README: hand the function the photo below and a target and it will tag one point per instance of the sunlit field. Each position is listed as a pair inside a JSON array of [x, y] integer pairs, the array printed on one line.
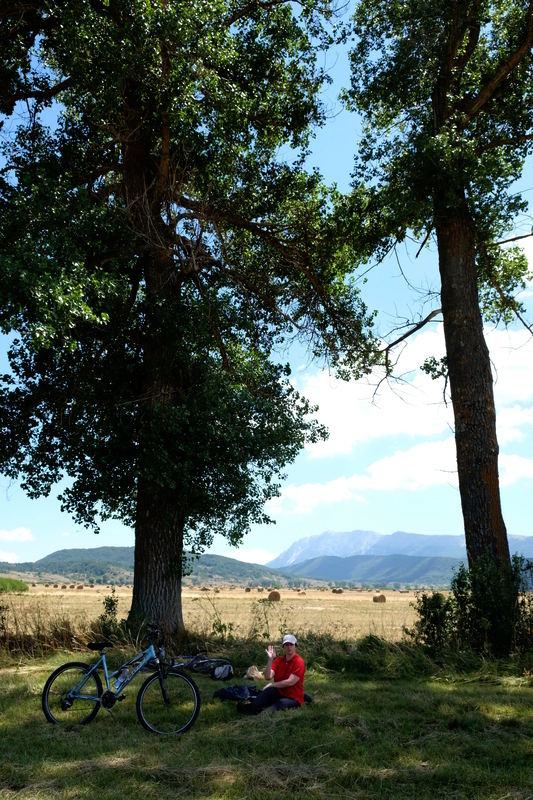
[[346, 615]]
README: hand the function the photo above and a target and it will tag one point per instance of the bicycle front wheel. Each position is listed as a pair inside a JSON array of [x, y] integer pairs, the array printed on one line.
[[71, 695], [169, 704]]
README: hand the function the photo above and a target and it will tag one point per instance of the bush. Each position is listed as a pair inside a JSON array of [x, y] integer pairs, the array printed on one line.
[[13, 585], [489, 611]]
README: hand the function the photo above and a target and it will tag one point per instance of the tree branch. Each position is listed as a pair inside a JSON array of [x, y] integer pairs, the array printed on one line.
[[503, 71], [250, 8], [386, 350]]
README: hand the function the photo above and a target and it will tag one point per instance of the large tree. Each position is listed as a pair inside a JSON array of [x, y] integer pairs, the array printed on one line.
[[446, 88], [154, 250]]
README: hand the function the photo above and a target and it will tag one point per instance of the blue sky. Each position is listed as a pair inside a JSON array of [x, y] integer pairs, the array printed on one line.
[[389, 463]]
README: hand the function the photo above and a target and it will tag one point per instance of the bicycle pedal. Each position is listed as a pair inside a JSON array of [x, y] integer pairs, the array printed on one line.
[[121, 697]]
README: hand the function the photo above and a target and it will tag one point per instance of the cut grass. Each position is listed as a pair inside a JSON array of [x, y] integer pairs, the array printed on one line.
[[464, 737]]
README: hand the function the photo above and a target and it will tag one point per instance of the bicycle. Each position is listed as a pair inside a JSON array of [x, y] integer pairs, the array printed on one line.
[[168, 701]]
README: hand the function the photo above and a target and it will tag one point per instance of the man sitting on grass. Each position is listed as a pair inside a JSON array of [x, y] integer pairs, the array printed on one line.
[[286, 674]]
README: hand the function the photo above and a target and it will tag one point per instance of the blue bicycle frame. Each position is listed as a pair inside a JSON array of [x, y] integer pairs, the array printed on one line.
[[133, 667]]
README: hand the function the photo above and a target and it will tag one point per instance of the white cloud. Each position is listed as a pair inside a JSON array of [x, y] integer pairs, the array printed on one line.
[[514, 424], [356, 412], [11, 558], [15, 535], [514, 468], [247, 554], [423, 466], [413, 409]]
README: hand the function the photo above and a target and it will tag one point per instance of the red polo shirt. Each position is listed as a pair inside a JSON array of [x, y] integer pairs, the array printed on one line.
[[283, 669]]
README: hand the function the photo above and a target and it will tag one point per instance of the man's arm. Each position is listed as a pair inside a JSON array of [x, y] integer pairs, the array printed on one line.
[[290, 681], [271, 653]]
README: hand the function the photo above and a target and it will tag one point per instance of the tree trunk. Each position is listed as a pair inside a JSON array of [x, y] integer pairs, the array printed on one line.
[[160, 513], [158, 563], [471, 387]]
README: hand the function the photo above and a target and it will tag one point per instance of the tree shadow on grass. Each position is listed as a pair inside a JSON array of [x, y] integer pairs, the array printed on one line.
[[416, 738]]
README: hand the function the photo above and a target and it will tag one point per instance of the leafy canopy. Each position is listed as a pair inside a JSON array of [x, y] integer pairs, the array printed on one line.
[[156, 249]]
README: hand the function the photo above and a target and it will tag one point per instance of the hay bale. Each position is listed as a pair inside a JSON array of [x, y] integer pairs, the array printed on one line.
[[379, 598], [274, 596], [248, 589], [80, 586]]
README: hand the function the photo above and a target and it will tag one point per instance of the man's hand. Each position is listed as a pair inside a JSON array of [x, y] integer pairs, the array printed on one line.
[[271, 651]]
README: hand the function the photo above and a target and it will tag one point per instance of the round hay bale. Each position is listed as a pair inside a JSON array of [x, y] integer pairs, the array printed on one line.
[[247, 589], [379, 598], [80, 586], [274, 596]]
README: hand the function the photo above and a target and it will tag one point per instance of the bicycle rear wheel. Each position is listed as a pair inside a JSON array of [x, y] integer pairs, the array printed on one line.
[[70, 698], [168, 705]]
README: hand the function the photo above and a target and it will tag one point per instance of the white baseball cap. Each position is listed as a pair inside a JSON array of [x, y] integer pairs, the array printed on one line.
[[289, 639]]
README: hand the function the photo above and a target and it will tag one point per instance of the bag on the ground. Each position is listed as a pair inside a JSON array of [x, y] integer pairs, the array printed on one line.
[[236, 692]]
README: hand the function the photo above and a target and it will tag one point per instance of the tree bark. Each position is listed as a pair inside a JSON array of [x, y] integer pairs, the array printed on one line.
[[471, 386], [158, 564], [160, 508]]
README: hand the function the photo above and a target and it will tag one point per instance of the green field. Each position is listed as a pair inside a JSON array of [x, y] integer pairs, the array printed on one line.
[[371, 733], [386, 722]]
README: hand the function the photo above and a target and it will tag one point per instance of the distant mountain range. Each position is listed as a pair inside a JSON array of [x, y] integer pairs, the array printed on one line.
[[363, 558], [370, 543]]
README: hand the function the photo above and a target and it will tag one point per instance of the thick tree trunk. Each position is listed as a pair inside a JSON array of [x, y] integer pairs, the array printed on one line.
[[158, 563], [471, 387], [160, 512]]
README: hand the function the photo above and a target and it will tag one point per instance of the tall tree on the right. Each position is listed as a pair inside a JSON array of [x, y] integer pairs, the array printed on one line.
[[446, 87]]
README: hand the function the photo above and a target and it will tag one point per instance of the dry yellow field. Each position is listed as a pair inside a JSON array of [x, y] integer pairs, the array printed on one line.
[[344, 616]]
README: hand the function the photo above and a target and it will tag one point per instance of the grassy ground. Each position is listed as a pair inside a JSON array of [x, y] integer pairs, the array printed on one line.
[[380, 735], [385, 721]]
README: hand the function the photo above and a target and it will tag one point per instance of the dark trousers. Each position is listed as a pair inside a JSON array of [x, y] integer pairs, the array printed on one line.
[[269, 699]]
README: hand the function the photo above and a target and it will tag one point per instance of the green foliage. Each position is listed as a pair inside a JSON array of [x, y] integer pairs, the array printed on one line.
[[489, 611], [13, 585], [445, 90], [108, 620], [155, 250]]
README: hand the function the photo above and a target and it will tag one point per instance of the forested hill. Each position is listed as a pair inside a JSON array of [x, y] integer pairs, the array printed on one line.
[[379, 570], [115, 565]]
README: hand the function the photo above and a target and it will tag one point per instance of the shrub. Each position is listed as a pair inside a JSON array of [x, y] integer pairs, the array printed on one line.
[[489, 611], [13, 585]]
